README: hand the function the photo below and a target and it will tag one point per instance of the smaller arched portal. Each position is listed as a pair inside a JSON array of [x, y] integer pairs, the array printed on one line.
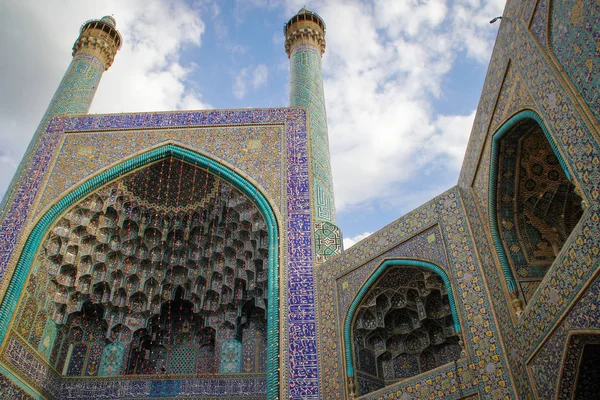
[[403, 322], [158, 265], [580, 369], [533, 205]]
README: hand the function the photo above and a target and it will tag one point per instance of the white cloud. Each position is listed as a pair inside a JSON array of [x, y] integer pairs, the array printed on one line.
[[381, 76], [349, 242], [451, 137], [261, 73], [239, 85], [255, 78], [147, 73]]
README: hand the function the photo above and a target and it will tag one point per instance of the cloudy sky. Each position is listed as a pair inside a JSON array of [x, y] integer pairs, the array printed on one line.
[[402, 80]]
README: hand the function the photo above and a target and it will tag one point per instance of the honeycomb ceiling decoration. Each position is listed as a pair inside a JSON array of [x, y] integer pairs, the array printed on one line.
[[547, 204], [404, 326], [168, 239]]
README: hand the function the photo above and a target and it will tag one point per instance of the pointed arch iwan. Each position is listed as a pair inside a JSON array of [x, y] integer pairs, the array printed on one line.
[[492, 190], [367, 286], [9, 303]]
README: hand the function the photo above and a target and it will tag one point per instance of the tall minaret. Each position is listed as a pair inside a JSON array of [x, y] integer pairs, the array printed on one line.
[[93, 53], [305, 45]]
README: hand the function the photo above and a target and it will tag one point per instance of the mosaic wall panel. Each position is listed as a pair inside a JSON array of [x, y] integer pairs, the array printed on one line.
[[253, 344], [539, 23], [528, 288], [495, 74], [19, 208], [231, 356], [249, 387], [528, 9], [30, 368], [94, 359], [48, 339], [545, 366], [299, 375], [182, 360], [575, 27], [450, 241], [11, 391], [78, 354], [112, 359], [514, 96], [481, 184], [256, 150], [328, 241]]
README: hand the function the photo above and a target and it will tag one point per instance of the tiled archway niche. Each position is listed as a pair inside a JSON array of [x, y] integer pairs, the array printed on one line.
[[535, 205], [403, 326], [164, 271], [580, 370]]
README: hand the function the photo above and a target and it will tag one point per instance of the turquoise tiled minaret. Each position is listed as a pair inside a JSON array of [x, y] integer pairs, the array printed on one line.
[[305, 45], [93, 53]]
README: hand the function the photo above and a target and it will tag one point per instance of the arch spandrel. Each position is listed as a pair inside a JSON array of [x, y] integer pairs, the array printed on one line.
[[257, 150]]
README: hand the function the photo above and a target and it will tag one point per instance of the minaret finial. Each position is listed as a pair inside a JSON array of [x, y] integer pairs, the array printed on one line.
[[305, 28], [99, 38]]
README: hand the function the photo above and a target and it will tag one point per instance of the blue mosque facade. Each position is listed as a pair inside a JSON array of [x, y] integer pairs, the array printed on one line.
[[195, 254]]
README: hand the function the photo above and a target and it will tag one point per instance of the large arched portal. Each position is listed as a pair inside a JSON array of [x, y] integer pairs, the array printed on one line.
[[168, 269], [533, 205]]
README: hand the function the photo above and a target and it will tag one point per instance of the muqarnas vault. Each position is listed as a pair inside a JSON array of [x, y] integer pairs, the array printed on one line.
[[196, 254]]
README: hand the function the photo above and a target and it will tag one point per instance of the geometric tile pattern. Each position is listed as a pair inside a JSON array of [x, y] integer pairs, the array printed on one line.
[[539, 23], [550, 367], [328, 241], [112, 359], [574, 41], [231, 356], [11, 391]]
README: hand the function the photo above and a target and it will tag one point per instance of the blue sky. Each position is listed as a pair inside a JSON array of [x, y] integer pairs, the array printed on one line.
[[402, 80]]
